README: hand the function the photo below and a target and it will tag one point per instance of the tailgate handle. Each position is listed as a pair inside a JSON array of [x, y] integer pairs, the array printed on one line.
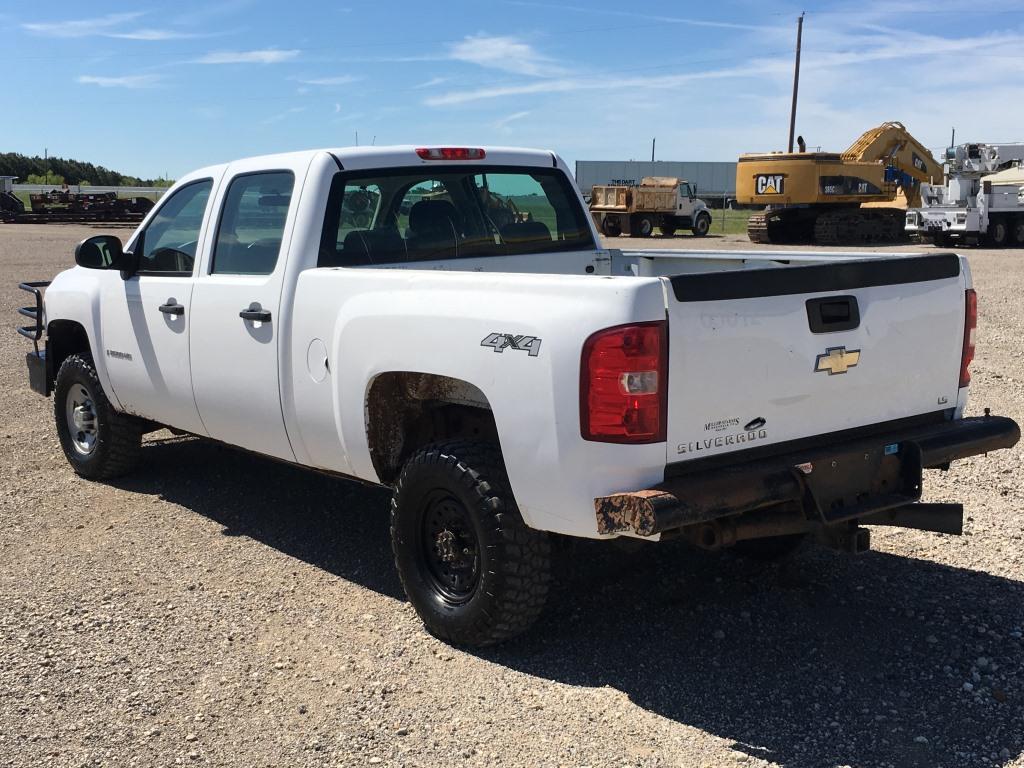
[[833, 313]]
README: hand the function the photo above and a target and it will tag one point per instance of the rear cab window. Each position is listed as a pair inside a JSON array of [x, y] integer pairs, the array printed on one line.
[[432, 213]]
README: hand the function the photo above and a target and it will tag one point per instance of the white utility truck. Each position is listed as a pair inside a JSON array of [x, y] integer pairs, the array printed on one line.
[[982, 201], [665, 202], [469, 343]]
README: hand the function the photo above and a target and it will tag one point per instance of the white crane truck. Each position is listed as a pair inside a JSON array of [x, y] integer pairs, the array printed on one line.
[[471, 344], [981, 202]]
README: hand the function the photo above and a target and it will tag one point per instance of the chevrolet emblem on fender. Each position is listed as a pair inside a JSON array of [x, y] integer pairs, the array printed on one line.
[[837, 360]]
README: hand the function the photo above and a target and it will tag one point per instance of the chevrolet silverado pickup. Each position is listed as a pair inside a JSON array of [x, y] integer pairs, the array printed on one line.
[[445, 321]]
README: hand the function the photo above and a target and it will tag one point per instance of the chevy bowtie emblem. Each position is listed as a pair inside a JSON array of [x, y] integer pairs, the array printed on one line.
[[837, 360]]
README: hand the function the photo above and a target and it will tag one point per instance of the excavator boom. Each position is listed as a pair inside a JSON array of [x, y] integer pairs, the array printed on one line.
[[892, 145]]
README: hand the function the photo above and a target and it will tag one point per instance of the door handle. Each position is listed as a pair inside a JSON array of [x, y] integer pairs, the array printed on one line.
[[259, 315], [172, 308]]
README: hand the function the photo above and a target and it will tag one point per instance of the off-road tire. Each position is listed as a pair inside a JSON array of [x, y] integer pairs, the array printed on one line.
[[514, 561], [118, 439], [770, 549], [701, 225]]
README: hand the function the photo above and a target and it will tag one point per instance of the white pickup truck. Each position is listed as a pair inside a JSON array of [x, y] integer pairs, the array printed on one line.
[[445, 321]]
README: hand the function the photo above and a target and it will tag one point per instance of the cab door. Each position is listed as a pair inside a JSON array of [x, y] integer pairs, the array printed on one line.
[[684, 207], [234, 343], [145, 319]]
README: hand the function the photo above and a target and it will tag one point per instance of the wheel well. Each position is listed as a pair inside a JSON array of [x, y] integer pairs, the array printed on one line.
[[405, 411], [65, 338]]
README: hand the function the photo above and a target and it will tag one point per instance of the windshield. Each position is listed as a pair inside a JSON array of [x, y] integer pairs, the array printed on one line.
[[425, 214]]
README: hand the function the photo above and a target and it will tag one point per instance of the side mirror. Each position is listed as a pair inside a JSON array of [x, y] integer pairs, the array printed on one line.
[[106, 252], [99, 252]]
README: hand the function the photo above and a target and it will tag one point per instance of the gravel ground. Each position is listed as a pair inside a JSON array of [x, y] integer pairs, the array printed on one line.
[[219, 609]]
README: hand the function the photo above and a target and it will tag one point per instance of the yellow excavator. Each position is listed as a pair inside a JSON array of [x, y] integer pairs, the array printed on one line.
[[858, 197]]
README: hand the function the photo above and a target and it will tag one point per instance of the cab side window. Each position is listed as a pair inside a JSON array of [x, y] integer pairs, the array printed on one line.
[[252, 223], [168, 244]]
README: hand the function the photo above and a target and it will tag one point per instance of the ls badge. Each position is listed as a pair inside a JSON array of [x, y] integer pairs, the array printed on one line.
[[837, 360]]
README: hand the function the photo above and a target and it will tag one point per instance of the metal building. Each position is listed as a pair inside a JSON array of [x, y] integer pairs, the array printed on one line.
[[713, 179]]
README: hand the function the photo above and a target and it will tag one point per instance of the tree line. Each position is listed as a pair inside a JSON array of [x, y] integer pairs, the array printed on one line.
[[58, 170]]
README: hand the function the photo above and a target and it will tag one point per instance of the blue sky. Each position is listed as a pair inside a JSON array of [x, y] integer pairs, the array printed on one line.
[[154, 89]]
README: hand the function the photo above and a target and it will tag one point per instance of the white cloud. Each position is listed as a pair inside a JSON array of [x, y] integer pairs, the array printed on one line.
[[505, 53], [154, 34], [643, 16], [282, 115], [432, 82], [503, 122], [81, 27], [337, 108], [264, 56], [338, 80], [124, 81], [608, 83]]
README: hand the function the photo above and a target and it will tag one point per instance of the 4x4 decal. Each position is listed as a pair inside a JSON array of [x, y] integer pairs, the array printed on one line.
[[499, 342]]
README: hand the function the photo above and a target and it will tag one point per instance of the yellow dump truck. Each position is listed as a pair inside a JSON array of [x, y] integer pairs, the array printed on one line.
[[664, 202]]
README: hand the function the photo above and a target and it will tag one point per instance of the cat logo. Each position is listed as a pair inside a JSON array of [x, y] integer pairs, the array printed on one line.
[[769, 184]]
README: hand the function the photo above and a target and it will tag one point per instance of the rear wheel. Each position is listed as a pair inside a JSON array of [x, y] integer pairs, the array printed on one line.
[[643, 226], [998, 232], [99, 442], [472, 569], [701, 225], [610, 226], [1018, 232]]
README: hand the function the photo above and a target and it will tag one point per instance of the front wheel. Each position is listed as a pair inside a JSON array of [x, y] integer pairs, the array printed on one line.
[[99, 442], [472, 569], [701, 225]]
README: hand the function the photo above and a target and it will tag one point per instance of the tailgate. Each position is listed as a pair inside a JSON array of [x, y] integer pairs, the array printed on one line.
[[764, 356]]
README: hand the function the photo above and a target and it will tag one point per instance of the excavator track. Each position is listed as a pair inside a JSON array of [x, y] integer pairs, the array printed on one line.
[[836, 226], [782, 226], [860, 226]]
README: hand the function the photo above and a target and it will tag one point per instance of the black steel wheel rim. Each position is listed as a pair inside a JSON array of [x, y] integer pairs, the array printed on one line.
[[448, 551]]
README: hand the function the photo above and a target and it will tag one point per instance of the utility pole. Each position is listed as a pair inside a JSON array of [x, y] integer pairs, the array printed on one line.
[[796, 80], [652, 148]]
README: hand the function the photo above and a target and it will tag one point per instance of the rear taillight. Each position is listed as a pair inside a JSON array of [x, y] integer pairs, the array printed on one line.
[[451, 153], [624, 384], [970, 332]]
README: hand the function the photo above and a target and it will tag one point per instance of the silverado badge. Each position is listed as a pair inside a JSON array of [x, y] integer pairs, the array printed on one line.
[[837, 360]]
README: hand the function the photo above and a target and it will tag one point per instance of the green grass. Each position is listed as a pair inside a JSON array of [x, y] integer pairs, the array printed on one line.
[[729, 222]]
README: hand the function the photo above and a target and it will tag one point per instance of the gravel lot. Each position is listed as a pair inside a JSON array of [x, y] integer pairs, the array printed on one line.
[[219, 609]]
